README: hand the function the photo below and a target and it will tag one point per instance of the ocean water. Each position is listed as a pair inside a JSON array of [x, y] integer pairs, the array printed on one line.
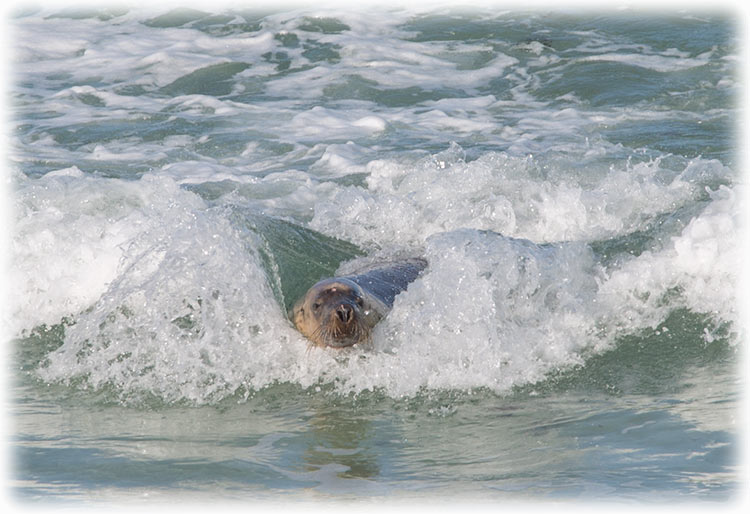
[[180, 176]]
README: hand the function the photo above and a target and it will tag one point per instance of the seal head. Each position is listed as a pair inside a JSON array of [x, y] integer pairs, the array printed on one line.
[[336, 312]]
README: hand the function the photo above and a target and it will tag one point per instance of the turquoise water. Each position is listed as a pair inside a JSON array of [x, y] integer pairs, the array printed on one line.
[[180, 177]]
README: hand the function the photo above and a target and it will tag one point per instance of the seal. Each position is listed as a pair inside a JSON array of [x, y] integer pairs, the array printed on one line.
[[341, 311]]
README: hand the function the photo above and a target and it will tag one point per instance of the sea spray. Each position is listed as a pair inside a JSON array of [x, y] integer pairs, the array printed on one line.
[[182, 318], [523, 197]]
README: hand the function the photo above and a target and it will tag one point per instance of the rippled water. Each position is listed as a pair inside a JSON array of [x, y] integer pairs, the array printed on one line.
[[180, 177]]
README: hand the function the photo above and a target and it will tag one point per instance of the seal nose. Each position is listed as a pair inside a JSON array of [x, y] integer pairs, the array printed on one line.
[[344, 312]]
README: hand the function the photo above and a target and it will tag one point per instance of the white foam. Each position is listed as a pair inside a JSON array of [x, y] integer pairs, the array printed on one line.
[[103, 153], [660, 63], [321, 122], [698, 270], [199, 172], [177, 305], [505, 194], [341, 160], [161, 55], [68, 237]]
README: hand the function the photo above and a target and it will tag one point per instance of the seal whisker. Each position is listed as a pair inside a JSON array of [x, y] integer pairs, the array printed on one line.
[[321, 336]]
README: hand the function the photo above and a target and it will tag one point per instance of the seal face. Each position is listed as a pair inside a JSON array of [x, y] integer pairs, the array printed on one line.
[[340, 312], [335, 312]]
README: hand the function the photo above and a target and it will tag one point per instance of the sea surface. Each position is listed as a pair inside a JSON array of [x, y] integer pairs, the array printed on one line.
[[180, 176]]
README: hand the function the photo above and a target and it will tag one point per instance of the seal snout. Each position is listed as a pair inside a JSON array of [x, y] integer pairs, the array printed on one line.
[[345, 313]]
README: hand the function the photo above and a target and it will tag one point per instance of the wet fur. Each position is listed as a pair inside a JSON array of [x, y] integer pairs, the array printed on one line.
[[321, 324]]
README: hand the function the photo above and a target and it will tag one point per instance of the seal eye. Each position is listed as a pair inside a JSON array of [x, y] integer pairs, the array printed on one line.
[[360, 302], [316, 306]]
